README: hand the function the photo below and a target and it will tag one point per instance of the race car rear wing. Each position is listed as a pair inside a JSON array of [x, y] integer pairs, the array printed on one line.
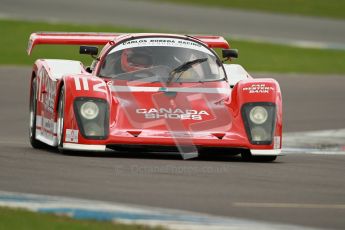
[[213, 41], [66, 38]]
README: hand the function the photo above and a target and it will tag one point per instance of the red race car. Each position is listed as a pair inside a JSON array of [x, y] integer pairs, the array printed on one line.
[[152, 92]]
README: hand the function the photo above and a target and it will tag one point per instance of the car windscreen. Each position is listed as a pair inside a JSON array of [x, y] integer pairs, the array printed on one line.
[[162, 60]]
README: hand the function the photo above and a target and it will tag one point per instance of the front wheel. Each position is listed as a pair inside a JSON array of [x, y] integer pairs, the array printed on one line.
[[60, 118]]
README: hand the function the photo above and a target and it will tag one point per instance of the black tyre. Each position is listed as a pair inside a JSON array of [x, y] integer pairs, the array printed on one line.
[[33, 112], [60, 119]]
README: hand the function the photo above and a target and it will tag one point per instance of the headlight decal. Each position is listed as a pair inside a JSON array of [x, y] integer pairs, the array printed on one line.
[[259, 121], [92, 116]]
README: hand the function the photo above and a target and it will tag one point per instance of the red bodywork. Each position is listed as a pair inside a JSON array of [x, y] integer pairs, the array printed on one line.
[[202, 115]]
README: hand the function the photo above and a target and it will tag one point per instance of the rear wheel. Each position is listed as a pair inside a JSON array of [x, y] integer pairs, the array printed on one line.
[[247, 156], [33, 116]]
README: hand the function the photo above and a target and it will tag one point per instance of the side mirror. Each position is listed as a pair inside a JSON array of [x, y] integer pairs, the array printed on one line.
[[230, 53], [91, 50]]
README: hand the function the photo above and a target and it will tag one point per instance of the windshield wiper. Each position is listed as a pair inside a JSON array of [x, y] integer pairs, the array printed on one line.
[[185, 66]]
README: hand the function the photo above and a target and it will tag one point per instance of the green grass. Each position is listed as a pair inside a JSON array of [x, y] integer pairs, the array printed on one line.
[[261, 57], [255, 57], [21, 219], [15, 36], [320, 8]]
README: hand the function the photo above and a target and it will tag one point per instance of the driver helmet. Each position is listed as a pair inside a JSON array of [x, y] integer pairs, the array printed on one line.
[[135, 59]]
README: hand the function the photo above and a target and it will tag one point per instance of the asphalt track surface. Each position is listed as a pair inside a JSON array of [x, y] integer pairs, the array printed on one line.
[[186, 19], [300, 189]]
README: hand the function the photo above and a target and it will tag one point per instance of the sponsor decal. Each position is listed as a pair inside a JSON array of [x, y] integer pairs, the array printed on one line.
[[71, 135], [49, 126], [169, 113], [170, 42], [258, 88], [47, 91], [162, 42]]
